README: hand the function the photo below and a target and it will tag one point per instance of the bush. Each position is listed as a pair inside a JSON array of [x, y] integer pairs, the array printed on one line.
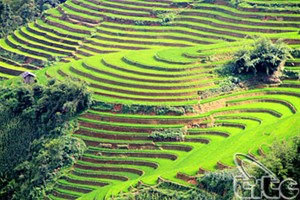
[[263, 56], [163, 110], [103, 106], [291, 74], [220, 183], [296, 53], [165, 16], [144, 109], [171, 134], [225, 86]]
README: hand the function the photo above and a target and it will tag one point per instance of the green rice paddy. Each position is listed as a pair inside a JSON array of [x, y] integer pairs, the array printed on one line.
[[129, 56]]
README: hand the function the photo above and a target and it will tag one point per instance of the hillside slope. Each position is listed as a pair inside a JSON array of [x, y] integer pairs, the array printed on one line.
[[121, 153], [80, 28], [148, 62]]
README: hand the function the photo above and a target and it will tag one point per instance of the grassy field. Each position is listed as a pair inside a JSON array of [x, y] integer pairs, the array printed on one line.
[[131, 54]]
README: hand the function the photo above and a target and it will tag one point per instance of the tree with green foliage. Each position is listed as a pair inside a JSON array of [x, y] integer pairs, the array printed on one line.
[[35, 142], [263, 56], [14, 14], [284, 161], [219, 183]]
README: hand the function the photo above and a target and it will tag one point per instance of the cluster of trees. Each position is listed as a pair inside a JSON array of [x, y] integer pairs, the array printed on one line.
[[284, 161], [263, 56], [218, 183], [35, 141], [14, 14]]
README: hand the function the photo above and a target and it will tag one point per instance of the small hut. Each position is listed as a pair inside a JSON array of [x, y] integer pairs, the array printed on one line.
[[28, 77]]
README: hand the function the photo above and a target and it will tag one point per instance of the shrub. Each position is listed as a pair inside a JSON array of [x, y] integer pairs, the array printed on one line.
[[291, 74], [220, 183], [296, 53], [145, 109], [171, 134], [225, 86], [177, 110], [165, 16], [263, 56], [103, 106]]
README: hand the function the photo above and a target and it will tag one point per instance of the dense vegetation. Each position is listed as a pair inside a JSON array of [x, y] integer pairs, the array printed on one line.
[[261, 57], [36, 122], [14, 14], [284, 161], [218, 183]]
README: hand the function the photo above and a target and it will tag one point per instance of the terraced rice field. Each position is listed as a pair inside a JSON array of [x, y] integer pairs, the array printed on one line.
[[80, 28], [128, 55]]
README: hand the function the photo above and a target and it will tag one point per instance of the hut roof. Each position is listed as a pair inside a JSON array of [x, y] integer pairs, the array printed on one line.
[[26, 74]]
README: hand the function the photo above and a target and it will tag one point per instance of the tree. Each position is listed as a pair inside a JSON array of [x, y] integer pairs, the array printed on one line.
[[263, 56], [35, 141], [220, 183], [284, 161], [14, 14]]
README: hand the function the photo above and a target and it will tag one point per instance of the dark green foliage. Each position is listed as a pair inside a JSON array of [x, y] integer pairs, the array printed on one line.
[[36, 176], [163, 110], [48, 106], [12, 148], [296, 53], [166, 16], [103, 106], [171, 134], [144, 109], [36, 122], [14, 14], [263, 57], [133, 109], [220, 183], [284, 161], [291, 74]]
